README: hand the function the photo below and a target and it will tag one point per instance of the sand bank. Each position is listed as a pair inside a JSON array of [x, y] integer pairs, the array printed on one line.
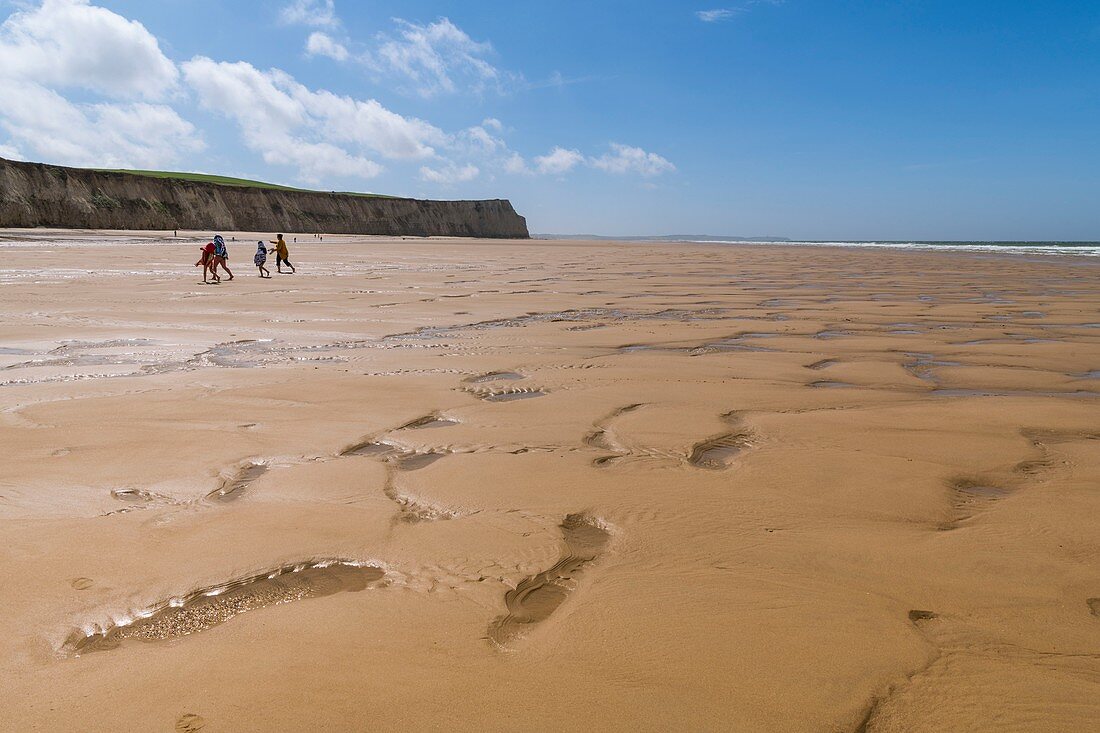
[[625, 487]]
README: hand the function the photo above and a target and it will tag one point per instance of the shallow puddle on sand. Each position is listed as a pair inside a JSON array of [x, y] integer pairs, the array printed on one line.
[[1010, 393], [429, 421], [371, 448], [495, 376], [416, 461], [208, 607], [536, 597], [234, 488], [969, 498]]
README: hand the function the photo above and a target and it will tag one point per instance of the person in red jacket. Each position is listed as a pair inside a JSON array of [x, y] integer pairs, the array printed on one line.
[[207, 262]]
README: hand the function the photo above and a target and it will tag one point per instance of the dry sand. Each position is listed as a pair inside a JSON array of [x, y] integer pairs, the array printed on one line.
[[500, 485]]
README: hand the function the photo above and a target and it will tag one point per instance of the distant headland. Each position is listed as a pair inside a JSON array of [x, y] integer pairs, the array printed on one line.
[[41, 195]]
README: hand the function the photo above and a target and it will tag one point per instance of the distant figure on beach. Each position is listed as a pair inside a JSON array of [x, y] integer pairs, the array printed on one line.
[[282, 254], [261, 259], [221, 256], [207, 262]]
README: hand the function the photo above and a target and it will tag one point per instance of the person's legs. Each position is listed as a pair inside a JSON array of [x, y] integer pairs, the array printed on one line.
[[225, 266], [287, 261]]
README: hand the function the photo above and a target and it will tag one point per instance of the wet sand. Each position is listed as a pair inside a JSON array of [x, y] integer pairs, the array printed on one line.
[[618, 486]]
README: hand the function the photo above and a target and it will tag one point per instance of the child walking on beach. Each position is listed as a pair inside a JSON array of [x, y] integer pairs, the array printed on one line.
[[282, 254], [261, 259], [207, 262]]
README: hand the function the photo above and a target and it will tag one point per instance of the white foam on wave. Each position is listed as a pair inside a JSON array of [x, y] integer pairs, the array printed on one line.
[[1084, 249]]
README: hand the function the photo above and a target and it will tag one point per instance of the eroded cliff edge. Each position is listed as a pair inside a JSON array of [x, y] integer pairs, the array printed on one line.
[[39, 195]]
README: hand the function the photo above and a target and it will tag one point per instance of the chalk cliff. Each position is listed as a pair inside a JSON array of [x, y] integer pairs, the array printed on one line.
[[39, 195]]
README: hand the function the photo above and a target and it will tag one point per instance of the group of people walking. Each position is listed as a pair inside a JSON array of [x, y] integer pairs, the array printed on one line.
[[215, 256]]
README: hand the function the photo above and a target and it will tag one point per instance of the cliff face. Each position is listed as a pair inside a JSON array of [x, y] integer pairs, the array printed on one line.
[[38, 195]]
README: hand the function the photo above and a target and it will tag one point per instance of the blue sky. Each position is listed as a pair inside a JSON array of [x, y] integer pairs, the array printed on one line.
[[820, 119]]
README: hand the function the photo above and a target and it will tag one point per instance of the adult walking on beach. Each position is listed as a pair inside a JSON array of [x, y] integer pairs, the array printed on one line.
[[282, 254], [221, 256]]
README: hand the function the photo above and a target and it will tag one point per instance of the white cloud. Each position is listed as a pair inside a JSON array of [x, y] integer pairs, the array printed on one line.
[[493, 124], [289, 124], [63, 44], [322, 44], [435, 59], [11, 153], [478, 139], [135, 135], [722, 14], [426, 60], [716, 15], [627, 159], [317, 160], [449, 173], [515, 163], [558, 161], [622, 159], [69, 43], [320, 13]]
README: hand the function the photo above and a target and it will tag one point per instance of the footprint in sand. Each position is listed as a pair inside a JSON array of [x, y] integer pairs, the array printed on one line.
[[81, 583], [189, 723], [1094, 606], [536, 597]]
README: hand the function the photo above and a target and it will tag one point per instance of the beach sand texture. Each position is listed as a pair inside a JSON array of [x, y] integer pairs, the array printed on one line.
[[547, 485]]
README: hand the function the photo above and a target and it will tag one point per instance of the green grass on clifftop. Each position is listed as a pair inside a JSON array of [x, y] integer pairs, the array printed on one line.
[[229, 181]]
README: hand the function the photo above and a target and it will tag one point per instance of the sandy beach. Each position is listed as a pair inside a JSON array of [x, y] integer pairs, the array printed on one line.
[[485, 485]]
